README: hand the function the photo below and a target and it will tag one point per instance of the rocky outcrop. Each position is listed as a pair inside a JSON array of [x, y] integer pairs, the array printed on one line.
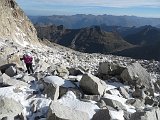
[[15, 25]]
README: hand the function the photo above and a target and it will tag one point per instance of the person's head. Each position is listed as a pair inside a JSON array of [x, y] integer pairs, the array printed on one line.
[[27, 54]]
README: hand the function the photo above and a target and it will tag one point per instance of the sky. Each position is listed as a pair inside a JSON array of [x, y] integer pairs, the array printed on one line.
[[142, 8]]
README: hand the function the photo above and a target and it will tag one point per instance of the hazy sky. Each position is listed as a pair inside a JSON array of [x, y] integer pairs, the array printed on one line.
[[144, 8]]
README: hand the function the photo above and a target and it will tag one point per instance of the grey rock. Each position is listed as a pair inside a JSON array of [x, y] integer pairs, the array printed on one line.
[[58, 111], [149, 101], [136, 75], [53, 84], [114, 103], [92, 97], [157, 86], [158, 82], [64, 90], [101, 104], [3, 61], [110, 68], [138, 93], [62, 71], [28, 78], [127, 115], [8, 81], [51, 90], [9, 108], [11, 15], [39, 75], [102, 114], [42, 66], [150, 114], [123, 92], [52, 70], [92, 85], [4, 67], [137, 103], [75, 71]]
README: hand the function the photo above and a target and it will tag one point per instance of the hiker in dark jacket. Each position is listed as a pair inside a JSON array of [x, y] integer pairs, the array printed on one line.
[[28, 61]]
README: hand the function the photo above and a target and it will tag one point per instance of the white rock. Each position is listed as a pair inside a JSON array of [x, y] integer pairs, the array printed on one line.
[[68, 107]]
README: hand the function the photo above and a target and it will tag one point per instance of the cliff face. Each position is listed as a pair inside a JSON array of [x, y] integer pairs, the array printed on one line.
[[14, 24]]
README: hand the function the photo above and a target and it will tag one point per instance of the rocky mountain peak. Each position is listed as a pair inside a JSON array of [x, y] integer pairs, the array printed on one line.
[[15, 25], [96, 29]]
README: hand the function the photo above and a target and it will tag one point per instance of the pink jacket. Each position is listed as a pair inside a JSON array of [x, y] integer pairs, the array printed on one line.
[[27, 59]]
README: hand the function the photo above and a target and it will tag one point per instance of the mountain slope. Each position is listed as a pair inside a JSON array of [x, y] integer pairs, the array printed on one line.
[[90, 39], [149, 52], [15, 25], [145, 35]]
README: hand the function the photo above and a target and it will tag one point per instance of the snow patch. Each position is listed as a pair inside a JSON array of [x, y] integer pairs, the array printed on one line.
[[69, 100], [116, 115], [58, 81]]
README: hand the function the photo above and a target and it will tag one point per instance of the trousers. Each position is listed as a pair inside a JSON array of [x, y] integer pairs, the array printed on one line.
[[29, 68]]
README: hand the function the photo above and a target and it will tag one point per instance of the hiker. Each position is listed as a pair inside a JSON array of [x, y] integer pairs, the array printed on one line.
[[28, 61]]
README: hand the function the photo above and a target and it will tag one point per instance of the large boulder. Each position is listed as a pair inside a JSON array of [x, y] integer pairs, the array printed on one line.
[[8, 81], [146, 114], [62, 112], [4, 67], [70, 108], [52, 86], [136, 75], [11, 71], [9, 108], [92, 85], [102, 114], [110, 68], [75, 71]]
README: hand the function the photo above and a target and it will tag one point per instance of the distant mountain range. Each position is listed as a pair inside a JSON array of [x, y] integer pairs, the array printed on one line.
[[81, 20], [90, 39], [136, 42]]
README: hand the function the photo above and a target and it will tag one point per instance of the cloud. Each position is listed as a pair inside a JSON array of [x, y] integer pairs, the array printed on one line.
[[106, 3]]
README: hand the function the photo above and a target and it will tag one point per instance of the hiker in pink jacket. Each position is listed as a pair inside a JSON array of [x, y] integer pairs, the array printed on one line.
[[28, 61]]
